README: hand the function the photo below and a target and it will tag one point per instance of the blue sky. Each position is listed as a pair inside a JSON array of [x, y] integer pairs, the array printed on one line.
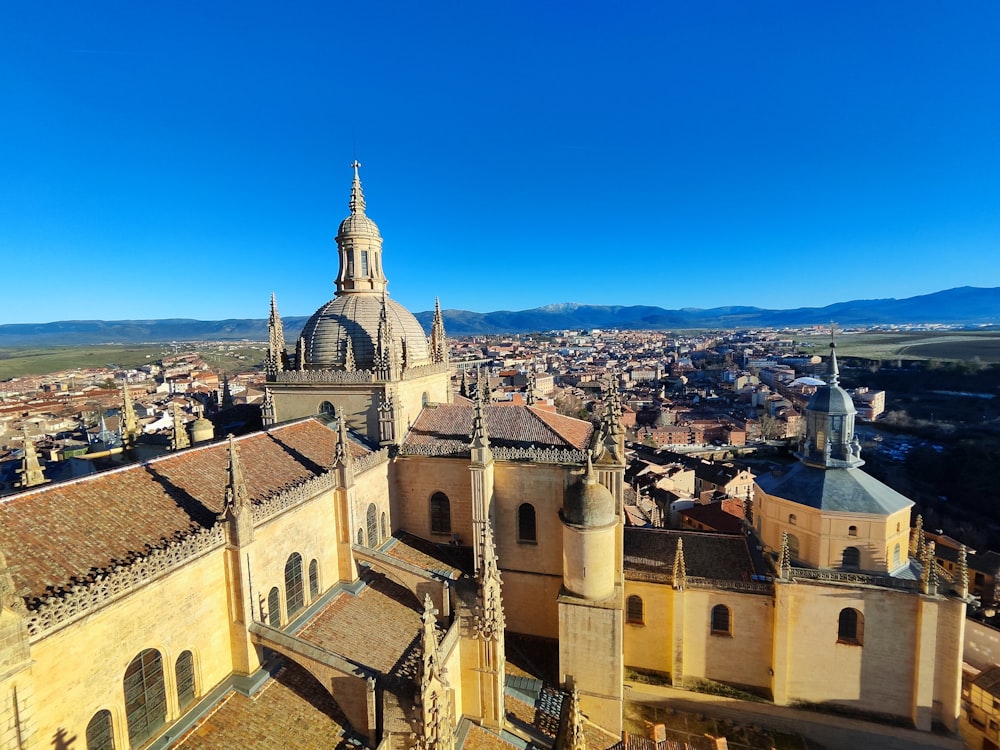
[[187, 159]]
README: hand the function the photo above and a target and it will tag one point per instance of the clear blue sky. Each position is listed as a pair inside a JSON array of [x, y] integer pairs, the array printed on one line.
[[187, 159]]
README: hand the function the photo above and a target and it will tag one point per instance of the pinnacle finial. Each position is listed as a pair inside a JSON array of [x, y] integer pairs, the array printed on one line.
[[680, 566], [357, 202]]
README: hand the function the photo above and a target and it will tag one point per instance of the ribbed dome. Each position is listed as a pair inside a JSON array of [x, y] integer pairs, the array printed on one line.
[[358, 224], [356, 316], [588, 502]]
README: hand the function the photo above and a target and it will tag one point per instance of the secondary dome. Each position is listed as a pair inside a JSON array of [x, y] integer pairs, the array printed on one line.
[[356, 317], [588, 502]]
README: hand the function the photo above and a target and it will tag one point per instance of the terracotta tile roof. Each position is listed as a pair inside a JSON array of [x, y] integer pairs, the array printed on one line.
[[379, 627], [292, 705], [59, 532], [449, 426], [424, 554], [717, 556], [481, 739]]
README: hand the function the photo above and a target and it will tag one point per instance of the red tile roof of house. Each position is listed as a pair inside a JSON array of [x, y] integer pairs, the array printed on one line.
[[449, 426], [60, 532]]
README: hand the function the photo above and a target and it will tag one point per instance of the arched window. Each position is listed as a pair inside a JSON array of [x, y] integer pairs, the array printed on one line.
[[722, 621], [852, 557], [184, 671], [526, 531], [440, 513], [294, 595], [793, 546], [145, 696], [384, 526], [423, 398], [852, 531], [274, 608], [99, 734], [371, 517], [327, 408], [361, 537], [851, 627], [895, 557], [791, 519], [634, 611], [313, 579]]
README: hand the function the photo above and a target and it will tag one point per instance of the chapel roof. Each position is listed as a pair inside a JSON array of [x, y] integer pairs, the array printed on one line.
[[56, 533], [839, 490], [649, 553], [447, 428]]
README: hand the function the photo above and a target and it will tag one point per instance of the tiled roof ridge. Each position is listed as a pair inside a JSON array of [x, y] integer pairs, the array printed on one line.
[[147, 462]]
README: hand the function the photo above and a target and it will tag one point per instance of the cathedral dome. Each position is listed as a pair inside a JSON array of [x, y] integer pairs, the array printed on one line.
[[831, 399], [356, 317], [358, 224], [588, 502]]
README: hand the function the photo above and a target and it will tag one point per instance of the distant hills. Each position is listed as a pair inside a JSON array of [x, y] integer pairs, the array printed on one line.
[[961, 306]]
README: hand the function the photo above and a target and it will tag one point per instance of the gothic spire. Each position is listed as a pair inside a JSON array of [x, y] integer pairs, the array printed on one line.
[[359, 246], [490, 620], [962, 575], [785, 558], [267, 414], [178, 435], [574, 739], [237, 496], [529, 396], [480, 436], [274, 361], [680, 568], [928, 575], [385, 354], [300, 353], [31, 471], [439, 344], [342, 457], [436, 730], [128, 424]]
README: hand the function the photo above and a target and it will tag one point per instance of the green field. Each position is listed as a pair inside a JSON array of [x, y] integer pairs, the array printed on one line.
[[941, 345], [18, 362]]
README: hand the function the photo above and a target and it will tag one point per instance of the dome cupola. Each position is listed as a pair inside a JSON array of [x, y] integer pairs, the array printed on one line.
[[830, 441]]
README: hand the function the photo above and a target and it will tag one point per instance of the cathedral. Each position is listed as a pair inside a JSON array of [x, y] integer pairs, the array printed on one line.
[[350, 575]]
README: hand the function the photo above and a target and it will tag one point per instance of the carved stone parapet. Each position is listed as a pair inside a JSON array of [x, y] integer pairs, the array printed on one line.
[[57, 610], [338, 377], [541, 455], [291, 496], [373, 459]]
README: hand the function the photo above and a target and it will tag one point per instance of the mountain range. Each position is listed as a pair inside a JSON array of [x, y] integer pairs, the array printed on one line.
[[966, 306]]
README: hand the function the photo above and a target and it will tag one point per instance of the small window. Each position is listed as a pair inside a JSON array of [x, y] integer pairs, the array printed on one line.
[[327, 408], [145, 697], [526, 531], [294, 593], [852, 531], [851, 627], [184, 672], [721, 620], [274, 608], [385, 526], [851, 558], [896, 556], [634, 611], [791, 519], [99, 733], [440, 513], [897, 527], [361, 537], [313, 580], [371, 520]]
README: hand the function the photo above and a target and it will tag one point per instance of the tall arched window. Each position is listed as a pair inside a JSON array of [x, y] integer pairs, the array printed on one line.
[[361, 537], [145, 696], [99, 733], [722, 621], [526, 531], [793, 546], [371, 517], [313, 579], [440, 513], [294, 595], [274, 608], [184, 672], [852, 557], [895, 556], [634, 610], [851, 627], [384, 526]]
